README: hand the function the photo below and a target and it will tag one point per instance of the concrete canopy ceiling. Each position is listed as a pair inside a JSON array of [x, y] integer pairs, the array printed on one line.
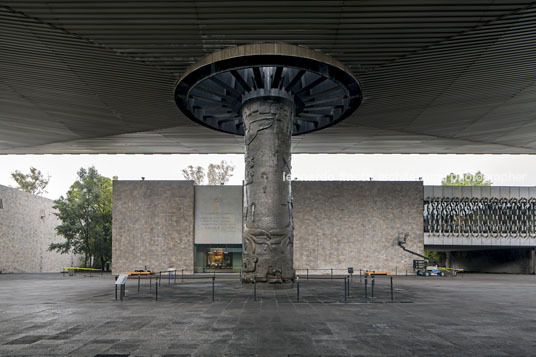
[[451, 76]]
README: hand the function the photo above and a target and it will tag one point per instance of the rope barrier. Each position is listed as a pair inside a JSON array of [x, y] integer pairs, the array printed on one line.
[[347, 285]]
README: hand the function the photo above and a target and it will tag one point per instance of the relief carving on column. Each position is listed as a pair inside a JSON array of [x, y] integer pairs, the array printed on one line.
[[268, 226]]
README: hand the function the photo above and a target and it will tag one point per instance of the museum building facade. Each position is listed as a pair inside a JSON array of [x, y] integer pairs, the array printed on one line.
[[161, 225]]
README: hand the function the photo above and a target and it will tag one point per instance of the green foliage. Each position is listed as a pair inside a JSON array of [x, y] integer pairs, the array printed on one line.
[[86, 216], [467, 179], [34, 182], [440, 257]]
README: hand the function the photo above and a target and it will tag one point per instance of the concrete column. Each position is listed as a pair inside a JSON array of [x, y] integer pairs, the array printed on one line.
[[268, 228]]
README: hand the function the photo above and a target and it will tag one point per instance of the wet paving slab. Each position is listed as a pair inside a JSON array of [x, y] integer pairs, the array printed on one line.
[[51, 315]]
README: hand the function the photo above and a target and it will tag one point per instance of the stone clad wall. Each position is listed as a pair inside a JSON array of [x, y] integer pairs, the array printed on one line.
[[153, 225], [338, 224], [27, 227]]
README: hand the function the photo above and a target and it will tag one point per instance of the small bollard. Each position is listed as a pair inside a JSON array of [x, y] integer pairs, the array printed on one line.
[[213, 280], [156, 290], [372, 288], [255, 288], [307, 273], [298, 288], [392, 298], [366, 288], [139, 278], [331, 274]]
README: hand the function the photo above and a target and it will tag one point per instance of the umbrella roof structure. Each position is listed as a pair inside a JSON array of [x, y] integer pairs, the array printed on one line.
[[455, 76]]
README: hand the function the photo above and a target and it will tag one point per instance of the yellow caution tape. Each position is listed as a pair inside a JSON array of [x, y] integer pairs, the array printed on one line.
[[77, 268], [450, 269]]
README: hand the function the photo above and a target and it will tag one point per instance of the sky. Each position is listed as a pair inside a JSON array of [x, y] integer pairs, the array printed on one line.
[[502, 170]]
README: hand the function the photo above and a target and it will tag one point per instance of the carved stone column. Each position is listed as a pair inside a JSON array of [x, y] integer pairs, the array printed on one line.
[[268, 228], [267, 92]]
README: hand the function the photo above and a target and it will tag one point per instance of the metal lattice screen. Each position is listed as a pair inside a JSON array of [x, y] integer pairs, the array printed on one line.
[[483, 217]]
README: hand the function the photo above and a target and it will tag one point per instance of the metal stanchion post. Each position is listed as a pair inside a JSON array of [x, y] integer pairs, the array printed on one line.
[[392, 289], [255, 288], [160, 279], [345, 288], [175, 277], [307, 273], [182, 275], [298, 288], [116, 292], [139, 279], [331, 274], [156, 289], [366, 283], [372, 288], [213, 280], [360, 277], [350, 278], [169, 277], [150, 282]]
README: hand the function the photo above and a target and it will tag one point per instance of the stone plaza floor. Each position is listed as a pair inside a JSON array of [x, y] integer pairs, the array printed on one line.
[[479, 315]]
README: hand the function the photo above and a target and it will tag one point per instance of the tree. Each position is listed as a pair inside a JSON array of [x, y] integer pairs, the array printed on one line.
[[467, 179], [86, 218], [34, 182], [440, 257], [219, 174], [196, 174]]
